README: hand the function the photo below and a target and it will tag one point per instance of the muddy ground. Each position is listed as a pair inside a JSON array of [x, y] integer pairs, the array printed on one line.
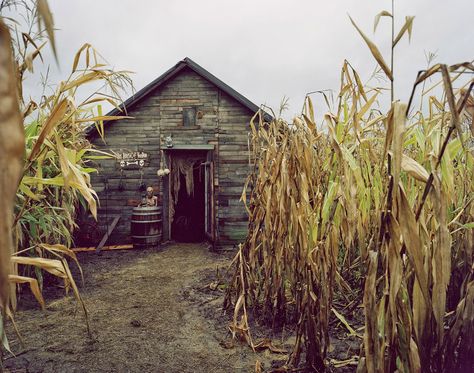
[[149, 311]]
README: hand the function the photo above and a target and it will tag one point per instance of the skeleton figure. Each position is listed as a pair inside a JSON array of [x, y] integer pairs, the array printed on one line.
[[149, 200], [169, 141]]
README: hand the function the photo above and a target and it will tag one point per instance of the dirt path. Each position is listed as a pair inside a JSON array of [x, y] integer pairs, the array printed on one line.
[[147, 313]]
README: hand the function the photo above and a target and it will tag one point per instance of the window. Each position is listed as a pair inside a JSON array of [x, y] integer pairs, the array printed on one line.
[[189, 117]]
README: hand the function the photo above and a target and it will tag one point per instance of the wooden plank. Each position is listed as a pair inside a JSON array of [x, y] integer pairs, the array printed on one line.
[[108, 233], [192, 147], [105, 248]]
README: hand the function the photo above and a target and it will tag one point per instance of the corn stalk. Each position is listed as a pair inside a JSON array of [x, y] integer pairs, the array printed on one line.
[[11, 159]]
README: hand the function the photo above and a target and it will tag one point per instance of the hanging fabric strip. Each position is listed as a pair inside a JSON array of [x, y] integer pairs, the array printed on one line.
[[182, 166]]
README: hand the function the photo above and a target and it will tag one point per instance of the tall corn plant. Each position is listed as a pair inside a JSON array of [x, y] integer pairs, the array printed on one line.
[[11, 154], [405, 323], [54, 171], [425, 243], [311, 194]]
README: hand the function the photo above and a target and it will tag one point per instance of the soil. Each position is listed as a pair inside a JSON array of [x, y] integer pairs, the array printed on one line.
[[149, 311]]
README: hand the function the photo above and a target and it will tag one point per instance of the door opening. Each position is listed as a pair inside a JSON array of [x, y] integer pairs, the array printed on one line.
[[188, 195], [189, 210]]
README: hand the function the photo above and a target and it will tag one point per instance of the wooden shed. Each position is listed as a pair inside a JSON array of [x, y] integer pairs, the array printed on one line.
[[191, 123]]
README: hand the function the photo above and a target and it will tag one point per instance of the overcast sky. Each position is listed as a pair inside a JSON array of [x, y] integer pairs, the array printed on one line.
[[264, 49]]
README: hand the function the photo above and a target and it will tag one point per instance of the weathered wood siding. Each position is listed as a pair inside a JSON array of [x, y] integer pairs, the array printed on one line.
[[233, 169], [222, 122]]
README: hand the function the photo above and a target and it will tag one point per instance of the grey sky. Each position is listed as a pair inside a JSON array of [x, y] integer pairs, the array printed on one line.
[[263, 49]]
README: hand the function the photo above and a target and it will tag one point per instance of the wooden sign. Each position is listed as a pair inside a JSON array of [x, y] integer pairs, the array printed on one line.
[[132, 159]]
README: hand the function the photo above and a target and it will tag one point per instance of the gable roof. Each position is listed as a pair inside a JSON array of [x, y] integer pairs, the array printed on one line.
[[171, 73]]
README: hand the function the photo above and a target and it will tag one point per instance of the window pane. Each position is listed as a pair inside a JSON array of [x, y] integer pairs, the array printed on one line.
[[189, 117]]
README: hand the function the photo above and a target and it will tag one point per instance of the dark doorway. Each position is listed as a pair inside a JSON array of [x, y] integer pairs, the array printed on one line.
[[189, 211]]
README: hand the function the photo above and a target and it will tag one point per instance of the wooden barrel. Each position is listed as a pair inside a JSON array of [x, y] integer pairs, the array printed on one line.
[[146, 227]]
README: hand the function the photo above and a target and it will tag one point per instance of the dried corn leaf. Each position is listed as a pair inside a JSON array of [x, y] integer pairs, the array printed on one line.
[[371, 336], [78, 56], [63, 161], [267, 343], [46, 17], [414, 169], [342, 319], [407, 27], [56, 116], [448, 88], [375, 51], [34, 286], [383, 13], [398, 117], [53, 266], [61, 249], [441, 258], [354, 360], [412, 241]]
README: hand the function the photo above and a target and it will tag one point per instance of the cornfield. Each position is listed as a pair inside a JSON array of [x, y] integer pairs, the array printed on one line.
[[387, 196]]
